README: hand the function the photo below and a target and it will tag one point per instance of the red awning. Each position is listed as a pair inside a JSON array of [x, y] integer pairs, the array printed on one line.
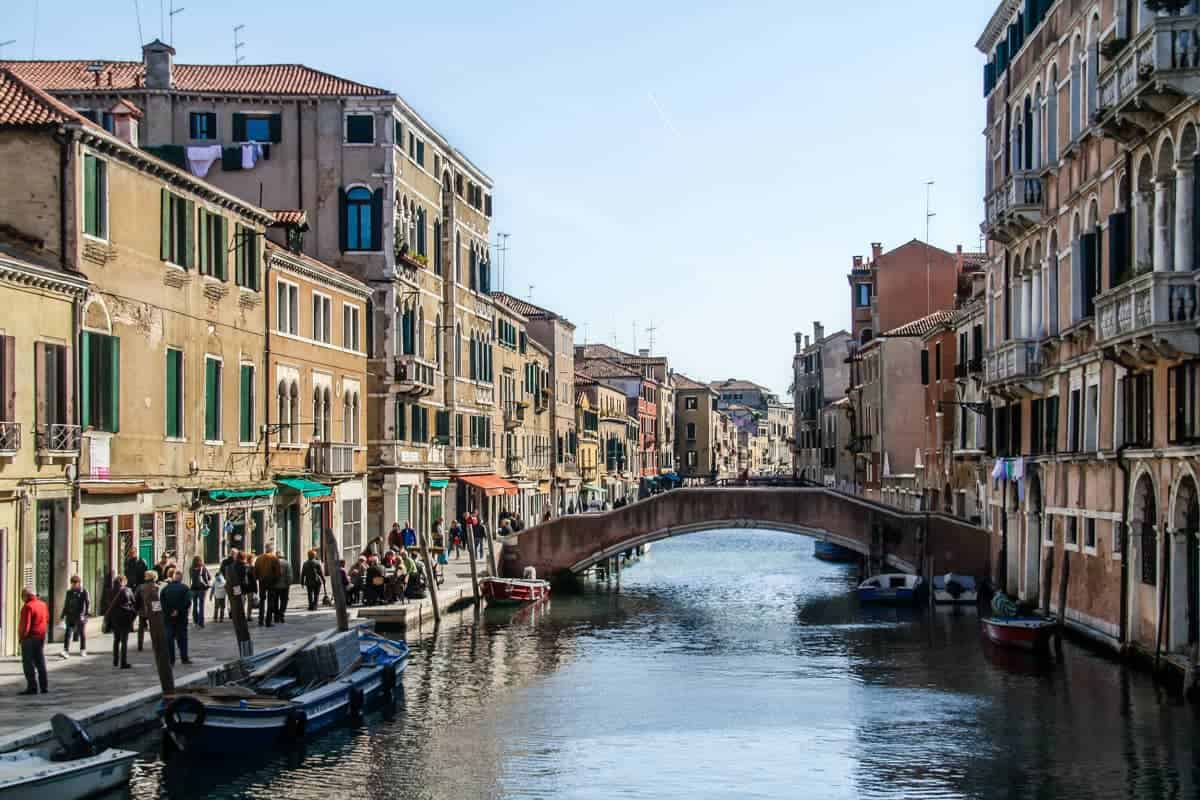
[[492, 485], [114, 488]]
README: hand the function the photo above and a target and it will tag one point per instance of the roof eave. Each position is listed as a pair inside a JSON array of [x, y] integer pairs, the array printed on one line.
[[998, 22]]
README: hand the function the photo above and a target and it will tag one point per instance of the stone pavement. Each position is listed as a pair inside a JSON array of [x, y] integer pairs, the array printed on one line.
[[79, 683]]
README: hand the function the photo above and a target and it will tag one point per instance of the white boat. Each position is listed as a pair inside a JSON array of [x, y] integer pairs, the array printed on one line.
[[895, 587], [28, 775], [952, 588]]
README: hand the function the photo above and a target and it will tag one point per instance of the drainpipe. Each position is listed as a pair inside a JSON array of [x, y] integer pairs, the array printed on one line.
[[64, 157], [267, 395], [299, 157]]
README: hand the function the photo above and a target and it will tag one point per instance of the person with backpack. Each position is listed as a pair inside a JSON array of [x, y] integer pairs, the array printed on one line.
[[76, 605], [201, 580], [312, 575], [119, 619]]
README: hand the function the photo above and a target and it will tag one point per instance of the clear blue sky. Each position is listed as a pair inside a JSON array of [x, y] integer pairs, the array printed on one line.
[[706, 166]]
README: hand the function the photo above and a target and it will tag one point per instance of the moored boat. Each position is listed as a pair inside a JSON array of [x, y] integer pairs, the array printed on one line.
[[78, 771], [1025, 633], [894, 587], [828, 551], [285, 695], [514, 591], [951, 588]]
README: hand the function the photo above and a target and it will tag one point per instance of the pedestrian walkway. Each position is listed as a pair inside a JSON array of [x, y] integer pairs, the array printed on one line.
[[78, 683]]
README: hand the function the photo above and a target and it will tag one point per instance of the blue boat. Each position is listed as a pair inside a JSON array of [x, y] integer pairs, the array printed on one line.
[[890, 588], [828, 551], [282, 698]]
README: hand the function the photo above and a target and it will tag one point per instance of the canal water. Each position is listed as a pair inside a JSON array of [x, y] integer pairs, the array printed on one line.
[[732, 664]]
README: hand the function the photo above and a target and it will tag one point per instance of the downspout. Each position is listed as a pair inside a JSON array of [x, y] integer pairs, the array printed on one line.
[[64, 157], [1123, 464], [299, 157], [266, 365]]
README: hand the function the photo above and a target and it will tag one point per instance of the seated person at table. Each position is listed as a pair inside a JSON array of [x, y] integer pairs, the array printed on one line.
[[357, 580], [389, 559], [375, 582]]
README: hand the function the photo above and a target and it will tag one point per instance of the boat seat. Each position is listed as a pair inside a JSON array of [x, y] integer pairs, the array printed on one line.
[[276, 684]]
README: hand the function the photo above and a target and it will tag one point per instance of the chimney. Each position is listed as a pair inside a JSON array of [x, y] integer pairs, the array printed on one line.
[[818, 332], [158, 59], [125, 122], [799, 342], [805, 342], [876, 250], [857, 262], [644, 352]]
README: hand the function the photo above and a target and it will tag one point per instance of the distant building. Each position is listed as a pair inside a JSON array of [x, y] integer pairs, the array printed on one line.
[[820, 377]]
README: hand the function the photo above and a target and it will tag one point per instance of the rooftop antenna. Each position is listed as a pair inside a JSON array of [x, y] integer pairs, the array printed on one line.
[[650, 331], [171, 14], [502, 252], [137, 15], [531, 288], [238, 44], [585, 333], [928, 255], [5, 44], [635, 336]]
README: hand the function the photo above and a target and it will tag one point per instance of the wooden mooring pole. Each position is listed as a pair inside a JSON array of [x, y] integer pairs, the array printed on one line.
[[237, 609], [158, 642], [329, 546], [431, 574]]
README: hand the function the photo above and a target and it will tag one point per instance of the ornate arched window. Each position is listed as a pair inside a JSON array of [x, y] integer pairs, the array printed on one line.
[[285, 413]]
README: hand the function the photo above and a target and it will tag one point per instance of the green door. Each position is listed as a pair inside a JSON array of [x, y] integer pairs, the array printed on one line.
[[146, 539], [96, 535], [212, 538]]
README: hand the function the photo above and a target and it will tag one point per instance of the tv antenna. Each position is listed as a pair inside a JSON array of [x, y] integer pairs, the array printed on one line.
[[502, 256], [650, 332], [5, 44], [171, 12], [238, 44], [928, 255], [531, 288]]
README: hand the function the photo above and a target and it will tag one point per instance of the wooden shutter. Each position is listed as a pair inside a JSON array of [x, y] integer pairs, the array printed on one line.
[[1087, 272], [239, 127], [89, 195], [247, 403], [114, 381], [8, 379], [188, 258], [211, 116], [222, 245], [66, 382], [40, 383], [85, 374], [172, 415], [377, 219], [210, 399], [202, 244], [275, 127], [401, 432], [164, 245], [924, 367], [1118, 247], [239, 256], [343, 223]]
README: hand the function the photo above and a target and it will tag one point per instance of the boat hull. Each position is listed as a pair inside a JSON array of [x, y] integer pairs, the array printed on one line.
[[1031, 634], [513, 592], [834, 553], [896, 596], [81, 778]]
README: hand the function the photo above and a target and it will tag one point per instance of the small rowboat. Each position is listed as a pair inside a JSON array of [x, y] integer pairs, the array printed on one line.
[[951, 589], [890, 588], [78, 770], [514, 591], [1025, 633], [835, 553]]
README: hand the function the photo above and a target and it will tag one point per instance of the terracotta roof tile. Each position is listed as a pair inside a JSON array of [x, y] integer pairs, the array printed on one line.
[[603, 368], [289, 216], [22, 105], [924, 325], [523, 307], [684, 382], [273, 79]]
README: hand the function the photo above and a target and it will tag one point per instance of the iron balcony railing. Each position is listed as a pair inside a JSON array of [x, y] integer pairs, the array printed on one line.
[[329, 458], [10, 437], [59, 439]]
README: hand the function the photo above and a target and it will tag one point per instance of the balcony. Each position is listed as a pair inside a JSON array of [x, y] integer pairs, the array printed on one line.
[[960, 371], [327, 458], [1157, 71], [58, 441], [514, 467], [1150, 318], [541, 402], [1013, 208], [514, 415], [10, 438], [414, 376], [1014, 369]]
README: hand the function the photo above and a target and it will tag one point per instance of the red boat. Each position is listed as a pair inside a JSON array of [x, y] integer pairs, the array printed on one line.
[[514, 591], [1026, 633]]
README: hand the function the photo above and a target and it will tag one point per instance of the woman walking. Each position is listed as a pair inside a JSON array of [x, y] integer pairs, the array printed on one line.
[[201, 581], [147, 594], [120, 616]]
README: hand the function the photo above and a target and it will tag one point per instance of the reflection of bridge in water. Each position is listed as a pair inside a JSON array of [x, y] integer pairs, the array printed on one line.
[[885, 536]]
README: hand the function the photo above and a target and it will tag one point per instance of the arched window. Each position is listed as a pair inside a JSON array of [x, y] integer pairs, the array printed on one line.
[[1051, 284], [294, 411], [1077, 63], [347, 419], [318, 417], [359, 235], [285, 414], [414, 243], [457, 257], [326, 415], [1091, 60], [354, 416], [1039, 128], [437, 340], [421, 332], [1052, 115], [437, 247], [408, 332], [473, 278], [1027, 156], [458, 348]]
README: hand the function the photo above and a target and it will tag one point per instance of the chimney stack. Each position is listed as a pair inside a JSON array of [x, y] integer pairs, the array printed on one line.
[[799, 342], [159, 62], [805, 342], [644, 352], [857, 262], [818, 332], [125, 122], [876, 250]]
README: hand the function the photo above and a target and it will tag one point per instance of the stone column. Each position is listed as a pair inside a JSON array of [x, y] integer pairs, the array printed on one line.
[[1027, 305], [1035, 307], [1162, 225], [1185, 181]]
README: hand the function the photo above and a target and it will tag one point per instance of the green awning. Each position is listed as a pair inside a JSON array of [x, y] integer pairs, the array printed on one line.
[[591, 487], [440, 483], [239, 494], [305, 487]]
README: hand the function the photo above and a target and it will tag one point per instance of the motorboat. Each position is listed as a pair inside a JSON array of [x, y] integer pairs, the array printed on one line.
[[894, 587], [513, 591], [285, 695], [77, 770], [954, 589], [1021, 632]]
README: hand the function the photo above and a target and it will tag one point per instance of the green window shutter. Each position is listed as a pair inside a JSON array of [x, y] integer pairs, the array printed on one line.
[[239, 127], [275, 126], [172, 393], [252, 259], [239, 256], [85, 389], [164, 245], [202, 243], [89, 196], [210, 399], [188, 257], [247, 404], [401, 422], [222, 245], [114, 376]]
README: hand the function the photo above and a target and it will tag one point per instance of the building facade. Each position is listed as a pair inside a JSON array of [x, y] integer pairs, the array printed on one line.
[[820, 377], [697, 438]]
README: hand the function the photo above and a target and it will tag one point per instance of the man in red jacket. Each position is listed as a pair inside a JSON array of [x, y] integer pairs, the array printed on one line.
[[35, 619]]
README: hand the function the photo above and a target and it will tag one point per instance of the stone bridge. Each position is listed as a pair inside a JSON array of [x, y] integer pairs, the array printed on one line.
[[887, 537]]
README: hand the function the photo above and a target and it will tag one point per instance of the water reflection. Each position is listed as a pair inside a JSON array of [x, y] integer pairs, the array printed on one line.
[[732, 664]]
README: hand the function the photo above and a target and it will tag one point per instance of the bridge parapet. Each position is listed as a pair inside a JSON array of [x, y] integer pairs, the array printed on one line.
[[883, 534]]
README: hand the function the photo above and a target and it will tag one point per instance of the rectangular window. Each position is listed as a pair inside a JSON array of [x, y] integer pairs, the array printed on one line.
[[52, 384], [202, 125], [487, 205], [1075, 422], [257, 127], [245, 250], [862, 297], [101, 379], [287, 308], [397, 132], [351, 528], [177, 230], [691, 458], [1091, 418], [458, 430], [689, 403], [1050, 443], [212, 399], [170, 534], [1183, 417], [322, 318], [924, 367], [95, 197], [212, 243], [1072, 532], [691, 430], [175, 394], [1089, 533], [420, 152], [401, 422], [350, 327], [360, 129], [1137, 421], [246, 395]]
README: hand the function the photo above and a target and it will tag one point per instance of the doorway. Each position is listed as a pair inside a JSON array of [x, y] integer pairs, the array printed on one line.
[[97, 561], [212, 538]]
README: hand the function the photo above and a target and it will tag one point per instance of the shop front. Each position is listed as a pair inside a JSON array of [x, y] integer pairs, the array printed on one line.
[[303, 508], [483, 494], [236, 518]]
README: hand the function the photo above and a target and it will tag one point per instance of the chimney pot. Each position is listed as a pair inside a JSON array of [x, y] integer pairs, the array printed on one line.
[[158, 59], [858, 261], [876, 250], [644, 352]]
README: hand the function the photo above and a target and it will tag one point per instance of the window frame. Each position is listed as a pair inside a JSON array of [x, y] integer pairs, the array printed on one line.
[[100, 182], [88, 414], [193, 128], [346, 117], [324, 303], [253, 407], [217, 401], [180, 397], [358, 207], [351, 321], [1089, 531], [292, 291]]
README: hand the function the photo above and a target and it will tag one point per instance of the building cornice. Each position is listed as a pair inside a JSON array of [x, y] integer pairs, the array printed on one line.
[[318, 272], [997, 25], [38, 277]]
